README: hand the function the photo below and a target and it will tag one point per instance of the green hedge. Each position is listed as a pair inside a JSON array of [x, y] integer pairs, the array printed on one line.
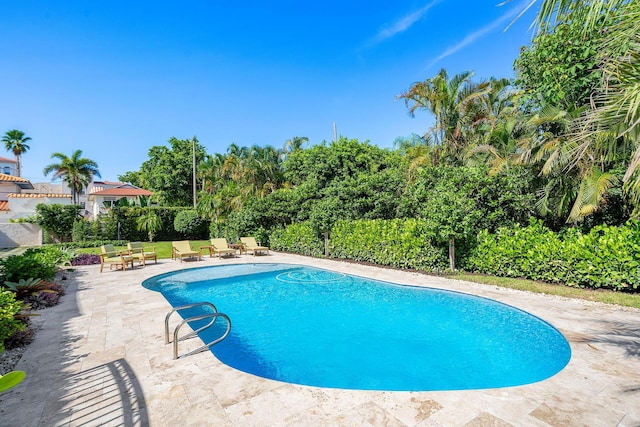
[[606, 257], [298, 238], [402, 243]]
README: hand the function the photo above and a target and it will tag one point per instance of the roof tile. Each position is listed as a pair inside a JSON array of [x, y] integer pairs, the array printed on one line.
[[39, 195]]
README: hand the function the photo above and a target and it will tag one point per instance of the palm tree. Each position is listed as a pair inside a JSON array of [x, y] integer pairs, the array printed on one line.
[[451, 103], [612, 123], [294, 144], [416, 152], [15, 141], [149, 222], [76, 171]]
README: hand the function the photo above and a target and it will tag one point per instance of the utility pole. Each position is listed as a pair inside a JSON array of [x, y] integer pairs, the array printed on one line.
[[335, 132], [193, 142]]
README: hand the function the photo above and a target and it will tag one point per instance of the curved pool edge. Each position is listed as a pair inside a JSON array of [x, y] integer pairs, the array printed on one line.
[[548, 324]]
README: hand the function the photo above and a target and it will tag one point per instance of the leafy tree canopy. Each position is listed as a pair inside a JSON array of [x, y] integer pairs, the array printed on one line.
[[169, 171], [57, 219], [562, 66], [345, 158]]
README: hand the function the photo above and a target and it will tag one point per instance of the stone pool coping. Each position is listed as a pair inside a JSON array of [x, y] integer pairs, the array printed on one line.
[[99, 359]]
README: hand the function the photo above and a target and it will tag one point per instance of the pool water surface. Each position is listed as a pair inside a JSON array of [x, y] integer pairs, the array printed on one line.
[[320, 328]]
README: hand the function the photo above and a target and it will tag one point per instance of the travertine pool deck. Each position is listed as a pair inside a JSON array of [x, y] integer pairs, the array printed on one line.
[[100, 359]]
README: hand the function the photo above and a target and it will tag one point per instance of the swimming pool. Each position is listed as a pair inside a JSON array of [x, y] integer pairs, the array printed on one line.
[[316, 327]]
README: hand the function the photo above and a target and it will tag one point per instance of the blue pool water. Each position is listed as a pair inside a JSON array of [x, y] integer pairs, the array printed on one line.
[[315, 327]]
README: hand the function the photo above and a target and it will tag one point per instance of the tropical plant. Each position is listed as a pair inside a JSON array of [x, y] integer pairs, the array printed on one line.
[[452, 103], [150, 222], [15, 141], [9, 308], [10, 379], [85, 259], [76, 171], [25, 287], [294, 144], [416, 152], [610, 126]]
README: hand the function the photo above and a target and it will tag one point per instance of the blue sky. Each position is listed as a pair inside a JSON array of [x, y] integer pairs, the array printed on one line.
[[116, 78]]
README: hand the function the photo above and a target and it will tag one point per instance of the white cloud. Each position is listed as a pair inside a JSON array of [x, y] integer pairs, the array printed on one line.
[[471, 38], [402, 24]]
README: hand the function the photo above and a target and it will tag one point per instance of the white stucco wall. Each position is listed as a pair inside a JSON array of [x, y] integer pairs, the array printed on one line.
[[20, 234], [21, 207]]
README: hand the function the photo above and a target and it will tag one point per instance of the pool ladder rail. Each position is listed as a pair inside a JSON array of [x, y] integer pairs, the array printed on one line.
[[213, 316]]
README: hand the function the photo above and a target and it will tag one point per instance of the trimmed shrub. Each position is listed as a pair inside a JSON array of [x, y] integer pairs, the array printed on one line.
[[190, 225], [402, 243], [606, 257], [81, 230], [298, 238]]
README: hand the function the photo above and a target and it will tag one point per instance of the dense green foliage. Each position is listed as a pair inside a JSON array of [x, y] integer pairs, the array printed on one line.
[[57, 219], [190, 224], [125, 223], [561, 67], [87, 244], [40, 263], [169, 171], [605, 257], [9, 307], [299, 238], [403, 243]]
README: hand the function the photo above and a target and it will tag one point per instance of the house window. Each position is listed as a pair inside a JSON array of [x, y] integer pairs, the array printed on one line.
[[7, 170]]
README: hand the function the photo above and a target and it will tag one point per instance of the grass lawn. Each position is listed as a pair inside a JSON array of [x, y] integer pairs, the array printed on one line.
[[598, 295], [163, 249]]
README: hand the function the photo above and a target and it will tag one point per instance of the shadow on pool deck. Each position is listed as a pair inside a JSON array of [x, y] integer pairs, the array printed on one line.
[[108, 394]]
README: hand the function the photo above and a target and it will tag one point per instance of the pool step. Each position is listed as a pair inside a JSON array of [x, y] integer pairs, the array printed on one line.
[[213, 316]]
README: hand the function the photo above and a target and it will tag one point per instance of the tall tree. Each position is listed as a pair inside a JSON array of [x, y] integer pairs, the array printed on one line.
[[169, 171], [450, 101], [76, 171], [15, 141]]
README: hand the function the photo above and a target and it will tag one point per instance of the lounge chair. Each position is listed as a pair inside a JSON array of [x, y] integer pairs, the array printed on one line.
[[250, 244], [137, 251], [109, 255], [221, 247], [182, 249]]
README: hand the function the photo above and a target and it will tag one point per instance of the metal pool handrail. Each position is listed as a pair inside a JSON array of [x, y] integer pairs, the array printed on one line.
[[213, 316]]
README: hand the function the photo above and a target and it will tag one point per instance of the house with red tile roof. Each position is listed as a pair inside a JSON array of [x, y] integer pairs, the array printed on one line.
[[104, 194]]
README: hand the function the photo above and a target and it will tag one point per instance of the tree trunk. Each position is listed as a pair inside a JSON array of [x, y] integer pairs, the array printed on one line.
[[452, 254], [326, 245]]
